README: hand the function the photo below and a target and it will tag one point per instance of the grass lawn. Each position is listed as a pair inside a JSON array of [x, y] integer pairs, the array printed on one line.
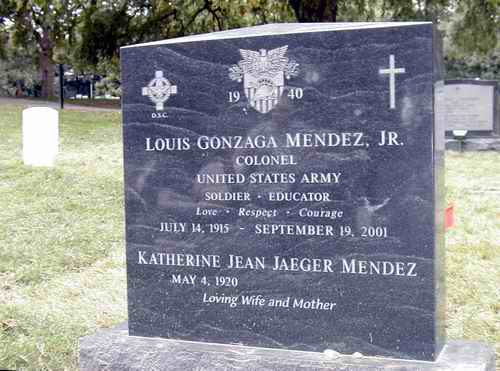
[[473, 247], [62, 250], [61, 241], [98, 103]]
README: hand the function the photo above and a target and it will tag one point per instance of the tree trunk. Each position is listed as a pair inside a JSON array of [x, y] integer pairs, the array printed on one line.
[[19, 88], [46, 65], [315, 10]]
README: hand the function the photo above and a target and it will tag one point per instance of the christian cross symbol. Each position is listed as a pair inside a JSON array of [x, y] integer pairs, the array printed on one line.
[[159, 90], [392, 71]]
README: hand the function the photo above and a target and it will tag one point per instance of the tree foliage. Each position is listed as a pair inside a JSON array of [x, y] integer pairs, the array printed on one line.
[[7, 8], [17, 71], [477, 26], [472, 40], [107, 25], [367, 10], [88, 34], [474, 66], [44, 27], [17, 65]]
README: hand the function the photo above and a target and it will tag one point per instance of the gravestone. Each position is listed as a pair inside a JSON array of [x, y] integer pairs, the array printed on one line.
[[470, 105], [283, 192], [278, 194], [40, 136]]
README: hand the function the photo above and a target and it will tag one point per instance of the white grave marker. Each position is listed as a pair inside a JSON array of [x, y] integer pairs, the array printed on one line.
[[40, 136]]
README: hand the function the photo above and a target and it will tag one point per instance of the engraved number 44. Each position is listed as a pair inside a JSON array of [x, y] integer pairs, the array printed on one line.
[[295, 93]]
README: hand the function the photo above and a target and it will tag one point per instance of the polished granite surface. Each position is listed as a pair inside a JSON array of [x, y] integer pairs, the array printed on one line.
[[282, 191]]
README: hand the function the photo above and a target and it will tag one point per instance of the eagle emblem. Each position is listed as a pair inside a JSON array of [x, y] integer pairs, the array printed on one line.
[[263, 74]]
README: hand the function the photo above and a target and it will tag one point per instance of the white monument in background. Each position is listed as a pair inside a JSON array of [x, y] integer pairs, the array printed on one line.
[[40, 136]]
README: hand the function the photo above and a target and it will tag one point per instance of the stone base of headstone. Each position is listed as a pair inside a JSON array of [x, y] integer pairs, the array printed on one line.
[[113, 349], [474, 144]]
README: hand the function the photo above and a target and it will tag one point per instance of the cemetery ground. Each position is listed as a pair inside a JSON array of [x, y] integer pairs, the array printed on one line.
[[71, 104], [62, 246]]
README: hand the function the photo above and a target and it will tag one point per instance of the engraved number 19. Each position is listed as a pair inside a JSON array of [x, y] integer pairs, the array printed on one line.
[[234, 96]]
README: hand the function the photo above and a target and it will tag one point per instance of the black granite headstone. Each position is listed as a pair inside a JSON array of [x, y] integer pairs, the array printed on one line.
[[282, 189]]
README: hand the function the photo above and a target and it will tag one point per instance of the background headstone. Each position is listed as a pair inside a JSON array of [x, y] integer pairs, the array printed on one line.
[[470, 105], [40, 136]]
